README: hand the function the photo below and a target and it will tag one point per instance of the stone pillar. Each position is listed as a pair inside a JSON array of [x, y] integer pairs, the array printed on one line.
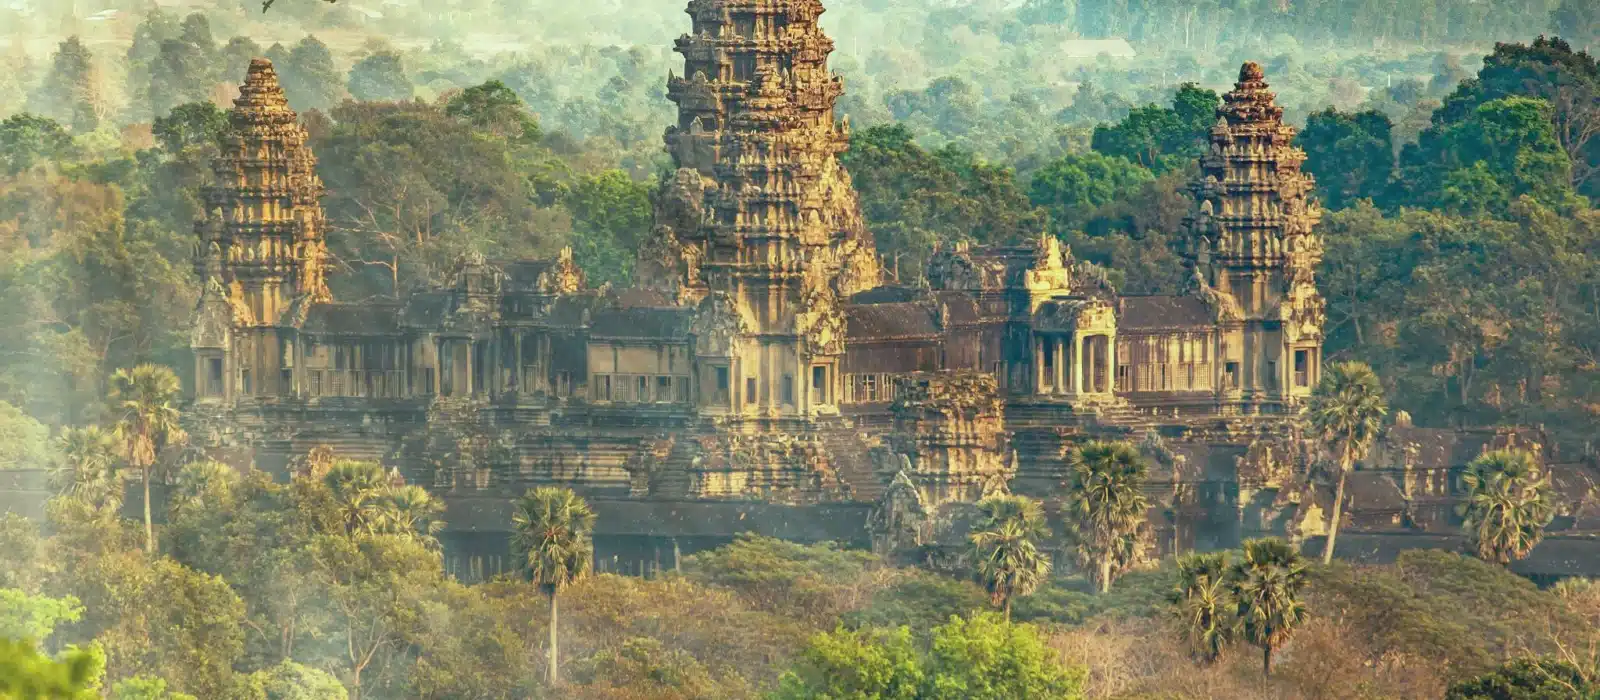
[[1061, 363], [517, 377], [1111, 364], [1038, 364], [1077, 364]]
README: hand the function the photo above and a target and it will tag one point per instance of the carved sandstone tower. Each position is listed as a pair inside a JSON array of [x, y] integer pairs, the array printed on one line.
[[261, 250], [1254, 248], [760, 225]]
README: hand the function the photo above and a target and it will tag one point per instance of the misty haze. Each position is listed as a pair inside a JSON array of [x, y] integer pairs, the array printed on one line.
[[799, 349]]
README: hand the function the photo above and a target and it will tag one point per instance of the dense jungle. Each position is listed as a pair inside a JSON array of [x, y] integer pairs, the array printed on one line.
[[1456, 148]]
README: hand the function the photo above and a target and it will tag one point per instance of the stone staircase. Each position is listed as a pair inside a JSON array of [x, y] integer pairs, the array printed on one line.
[[852, 463]]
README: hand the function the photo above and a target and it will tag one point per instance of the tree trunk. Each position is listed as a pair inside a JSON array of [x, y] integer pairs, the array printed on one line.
[[554, 679], [1105, 575], [1338, 509], [1007, 607], [149, 530], [1266, 661]]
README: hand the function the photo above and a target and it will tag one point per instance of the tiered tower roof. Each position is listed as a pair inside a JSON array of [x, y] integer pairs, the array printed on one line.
[[262, 235]]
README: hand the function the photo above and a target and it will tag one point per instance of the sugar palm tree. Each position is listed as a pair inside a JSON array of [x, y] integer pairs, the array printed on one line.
[[411, 510], [1346, 411], [551, 531], [87, 467], [1265, 587], [1006, 550], [1507, 506], [1203, 606], [1106, 508], [358, 489], [146, 399]]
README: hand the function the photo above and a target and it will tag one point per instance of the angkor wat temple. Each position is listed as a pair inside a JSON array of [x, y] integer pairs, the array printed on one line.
[[762, 376]]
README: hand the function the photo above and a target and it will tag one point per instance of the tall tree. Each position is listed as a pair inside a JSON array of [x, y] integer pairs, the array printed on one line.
[[1162, 138], [145, 399], [1005, 548], [1071, 188], [1549, 70], [1346, 411], [1106, 509], [1204, 610], [1265, 586], [310, 78], [380, 77], [551, 532], [1508, 504], [71, 92], [1351, 155]]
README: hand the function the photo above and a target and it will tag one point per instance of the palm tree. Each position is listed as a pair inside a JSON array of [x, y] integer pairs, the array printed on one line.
[[146, 398], [1006, 548], [1265, 587], [1507, 506], [410, 510], [1107, 508], [551, 530], [357, 488], [1203, 605], [1346, 411], [87, 467]]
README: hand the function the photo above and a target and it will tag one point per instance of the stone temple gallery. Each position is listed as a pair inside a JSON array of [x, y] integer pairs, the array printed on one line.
[[761, 375]]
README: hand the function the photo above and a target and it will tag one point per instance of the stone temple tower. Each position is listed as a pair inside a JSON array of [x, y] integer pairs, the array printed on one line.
[[261, 251], [760, 225], [1254, 248]]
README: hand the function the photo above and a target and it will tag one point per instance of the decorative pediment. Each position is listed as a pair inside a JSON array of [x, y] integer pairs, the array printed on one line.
[[213, 318], [820, 322], [1075, 315], [718, 324]]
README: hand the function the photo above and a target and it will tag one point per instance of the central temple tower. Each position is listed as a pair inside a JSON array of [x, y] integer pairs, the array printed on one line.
[[760, 225], [1254, 248]]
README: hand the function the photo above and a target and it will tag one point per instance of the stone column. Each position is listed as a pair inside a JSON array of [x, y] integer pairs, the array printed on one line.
[[1061, 363], [1038, 364], [1077, 364]]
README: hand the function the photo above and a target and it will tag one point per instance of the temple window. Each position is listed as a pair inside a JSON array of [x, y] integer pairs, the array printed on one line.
[[1302, 368], [788, 389], [1230, 378], [819, 384], [663, 389], [750, 390], [722, 387], [1125, 376]]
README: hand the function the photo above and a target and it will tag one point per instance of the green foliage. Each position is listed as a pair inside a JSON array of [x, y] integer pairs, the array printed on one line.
[[778, 575], [1159, 138], [309, 77], [26, 674], [982, 657], [922, 600], [27, 140], [611, 214], [380, 77], [145, 688], [870, 664], [914, 199], [34, 618], [1351, 155], [1528, 679], [1508, 504], [197, 124], [1106, 509], [1071, 188], [494, 108], [71, 92], [184, 68], [986, 658], [24, 442]]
